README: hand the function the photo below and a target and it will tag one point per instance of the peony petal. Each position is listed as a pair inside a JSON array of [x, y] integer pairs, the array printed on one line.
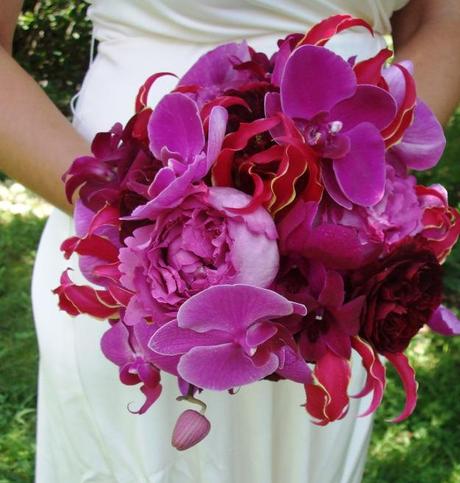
[[407, 375], [444, 322], [339, 247], [222, 367], [307, 90], [369, 104], [361, 172], [176, 124]]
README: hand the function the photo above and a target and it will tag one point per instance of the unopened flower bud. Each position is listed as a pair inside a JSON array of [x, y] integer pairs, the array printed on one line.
[[191, 427]]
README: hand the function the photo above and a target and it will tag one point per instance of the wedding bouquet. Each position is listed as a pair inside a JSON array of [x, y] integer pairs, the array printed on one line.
[[261, 222]]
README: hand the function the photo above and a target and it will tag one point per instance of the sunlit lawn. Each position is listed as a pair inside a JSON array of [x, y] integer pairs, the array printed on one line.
[[423, 449]]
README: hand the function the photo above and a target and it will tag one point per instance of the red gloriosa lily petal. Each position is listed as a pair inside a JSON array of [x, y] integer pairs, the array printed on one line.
[[407, 375]]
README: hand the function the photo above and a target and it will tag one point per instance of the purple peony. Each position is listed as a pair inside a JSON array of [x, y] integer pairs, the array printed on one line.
[[198, 244]]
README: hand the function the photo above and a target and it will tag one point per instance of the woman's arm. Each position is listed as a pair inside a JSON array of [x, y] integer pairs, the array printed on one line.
[[427, 32], [37, 143]]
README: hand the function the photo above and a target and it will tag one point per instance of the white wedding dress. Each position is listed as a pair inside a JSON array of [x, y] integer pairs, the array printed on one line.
[[260, 435]]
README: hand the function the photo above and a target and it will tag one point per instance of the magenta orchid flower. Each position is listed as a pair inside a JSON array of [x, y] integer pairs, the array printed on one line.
[[444, 322], [224, 336], [339, 119], [330, 322], [214, 72], [177, 138], [123, 346]]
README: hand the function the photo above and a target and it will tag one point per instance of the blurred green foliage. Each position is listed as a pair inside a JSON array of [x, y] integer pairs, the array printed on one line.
[[52, 42]]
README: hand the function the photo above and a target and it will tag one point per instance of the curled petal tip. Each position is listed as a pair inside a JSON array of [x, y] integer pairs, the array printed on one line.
[[191, 428]]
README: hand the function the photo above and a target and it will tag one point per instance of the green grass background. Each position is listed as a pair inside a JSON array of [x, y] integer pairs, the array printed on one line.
[[423, 449]]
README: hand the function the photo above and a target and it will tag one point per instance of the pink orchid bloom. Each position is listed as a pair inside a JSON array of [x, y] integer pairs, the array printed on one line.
[[226, 337]]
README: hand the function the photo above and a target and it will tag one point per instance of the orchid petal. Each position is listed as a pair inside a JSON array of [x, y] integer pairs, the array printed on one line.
[[444, 322], [231, 308], [115, 344], [307, 91], [368, 104], [151, 395], [361, 172], [332, 293], [170, 339], [332, 186], [295, 368], [217, 125], [176, 124], [215, 69], [423, 142], [223, 367]]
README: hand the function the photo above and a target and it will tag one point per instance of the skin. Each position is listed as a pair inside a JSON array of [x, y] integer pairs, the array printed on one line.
[[37, 143]]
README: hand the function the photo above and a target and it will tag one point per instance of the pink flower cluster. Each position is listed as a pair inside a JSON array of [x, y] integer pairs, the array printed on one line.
[[261, 222]]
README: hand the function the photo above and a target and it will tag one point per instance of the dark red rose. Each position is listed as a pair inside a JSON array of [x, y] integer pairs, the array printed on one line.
[[402, 291]]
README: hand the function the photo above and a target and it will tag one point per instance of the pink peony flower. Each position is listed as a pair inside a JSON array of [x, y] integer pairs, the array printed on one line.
[[397, 215], [198, 244]]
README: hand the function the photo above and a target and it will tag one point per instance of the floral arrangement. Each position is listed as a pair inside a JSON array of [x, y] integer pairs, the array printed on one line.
[[262, 222]]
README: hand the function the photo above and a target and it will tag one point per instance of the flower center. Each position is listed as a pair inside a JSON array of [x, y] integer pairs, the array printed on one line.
[[325, 137]]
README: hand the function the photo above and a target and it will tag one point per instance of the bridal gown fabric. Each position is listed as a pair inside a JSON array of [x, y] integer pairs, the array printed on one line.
[[260, 435]]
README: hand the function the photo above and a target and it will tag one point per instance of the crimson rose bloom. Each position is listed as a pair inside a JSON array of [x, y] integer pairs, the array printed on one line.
[[402, 291]]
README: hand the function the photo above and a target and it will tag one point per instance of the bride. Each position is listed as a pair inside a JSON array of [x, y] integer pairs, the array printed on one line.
[[261, 435]]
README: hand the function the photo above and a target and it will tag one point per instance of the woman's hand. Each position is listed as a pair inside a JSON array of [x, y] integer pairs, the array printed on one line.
[[427, 32], [37, 143]]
